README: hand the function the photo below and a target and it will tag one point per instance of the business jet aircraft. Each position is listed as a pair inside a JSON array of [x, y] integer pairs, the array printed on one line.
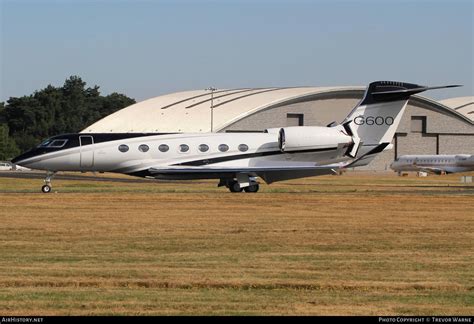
[[438, 164], [235, 159]]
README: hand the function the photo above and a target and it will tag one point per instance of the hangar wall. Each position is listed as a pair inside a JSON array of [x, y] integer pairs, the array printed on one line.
[[316, 113], [455, 144], [416, 143]]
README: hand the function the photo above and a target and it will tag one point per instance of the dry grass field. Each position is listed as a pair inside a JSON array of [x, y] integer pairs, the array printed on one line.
[[343, 245]]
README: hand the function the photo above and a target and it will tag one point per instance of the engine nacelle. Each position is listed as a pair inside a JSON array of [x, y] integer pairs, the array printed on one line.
[[307, 138], [272, 130]]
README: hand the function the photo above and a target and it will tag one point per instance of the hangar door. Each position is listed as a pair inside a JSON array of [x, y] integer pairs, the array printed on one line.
[[87, 152]]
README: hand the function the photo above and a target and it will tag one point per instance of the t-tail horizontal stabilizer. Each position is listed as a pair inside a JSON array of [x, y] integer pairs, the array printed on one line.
[[385, 91]]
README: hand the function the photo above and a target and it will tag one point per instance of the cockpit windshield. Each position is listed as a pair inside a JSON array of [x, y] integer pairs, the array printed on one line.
[[57, 143], [45, 143]]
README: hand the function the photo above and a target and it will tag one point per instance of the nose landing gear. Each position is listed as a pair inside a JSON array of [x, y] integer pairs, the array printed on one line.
[[46, 188]]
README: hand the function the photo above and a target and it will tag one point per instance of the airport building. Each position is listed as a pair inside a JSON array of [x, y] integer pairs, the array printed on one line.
[[427, 127]]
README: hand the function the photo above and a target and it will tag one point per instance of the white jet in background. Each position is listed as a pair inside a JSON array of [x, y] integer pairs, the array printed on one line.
[[438, 164]]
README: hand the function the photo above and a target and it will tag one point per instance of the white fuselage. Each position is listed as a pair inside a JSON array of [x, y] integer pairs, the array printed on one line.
[[434, 163], [204, 150]]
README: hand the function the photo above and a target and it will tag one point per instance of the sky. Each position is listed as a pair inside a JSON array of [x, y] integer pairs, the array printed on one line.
[[148, 48]]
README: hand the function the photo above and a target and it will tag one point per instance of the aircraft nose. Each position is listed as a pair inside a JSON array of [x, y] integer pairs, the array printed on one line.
[[16, 160], [19, 160]]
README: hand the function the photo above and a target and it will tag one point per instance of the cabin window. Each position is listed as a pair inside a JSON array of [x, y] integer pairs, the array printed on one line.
[[123, 148], [183, 148], [58, 143], [163, 148], [143, 148], [203, 148], [243, 148], [223, 147]]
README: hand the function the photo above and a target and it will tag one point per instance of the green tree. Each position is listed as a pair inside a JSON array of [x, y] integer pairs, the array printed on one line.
[[114, 100], [56, 110], [8, 148]]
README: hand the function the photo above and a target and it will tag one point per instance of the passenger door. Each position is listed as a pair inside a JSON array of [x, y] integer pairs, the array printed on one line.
[[87, 151]]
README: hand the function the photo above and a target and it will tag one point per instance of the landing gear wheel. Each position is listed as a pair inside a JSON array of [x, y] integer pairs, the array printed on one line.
[[235, 187], [252, 188], [47, 182]]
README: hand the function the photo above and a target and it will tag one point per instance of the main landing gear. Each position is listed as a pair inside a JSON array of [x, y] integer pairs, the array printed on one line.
[[248, 185], [47, 187], [252, 188], [234, 186]]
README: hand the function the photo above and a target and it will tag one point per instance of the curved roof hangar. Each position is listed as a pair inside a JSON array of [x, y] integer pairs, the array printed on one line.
[[463, 105], [190, 111]]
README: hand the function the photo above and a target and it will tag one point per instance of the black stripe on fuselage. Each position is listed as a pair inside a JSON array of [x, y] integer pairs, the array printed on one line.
[[109, 137], [247, 156], [73, 139]]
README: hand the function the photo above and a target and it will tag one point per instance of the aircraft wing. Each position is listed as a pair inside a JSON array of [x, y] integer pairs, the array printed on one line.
[[188, 169], [269, 174]]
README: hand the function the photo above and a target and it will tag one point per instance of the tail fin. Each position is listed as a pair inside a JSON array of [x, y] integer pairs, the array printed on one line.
[[373, 122]]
